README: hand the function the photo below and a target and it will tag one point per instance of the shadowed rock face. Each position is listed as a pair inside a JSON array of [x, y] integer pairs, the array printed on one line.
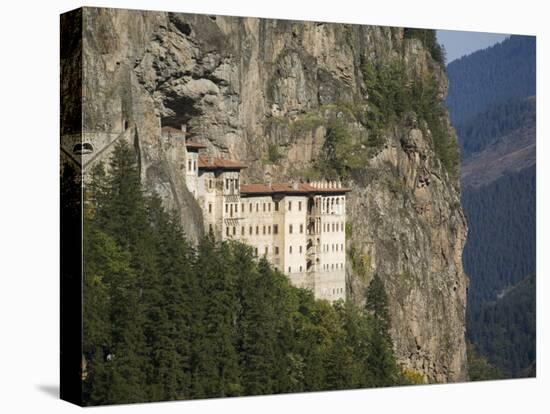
[[250, 88]]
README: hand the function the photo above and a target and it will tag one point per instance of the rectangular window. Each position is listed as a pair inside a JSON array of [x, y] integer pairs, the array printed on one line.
[[290, 206], [234, 230], [276, 249], [300, 268], [299, 206], [276, 206], [256, 250], [300, 249], [263, 230], [242, 230], [342, 247], [257, 230], [236, 207], [210, 228], [227, 183], [189, 165], [268, 229], [269, 207], [250, 207], [290, 249], [275, 229], [210, 183], [250, 230], [290, 228], [227, 231], [210, 207], [264, 207], [301, 228], [289, 269], [257, 207], [194, 165], [265, 251], [242, 207], [226, 208]]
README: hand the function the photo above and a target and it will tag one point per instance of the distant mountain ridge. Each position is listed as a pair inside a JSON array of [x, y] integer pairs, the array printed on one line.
[[492, 106], [491, 76]]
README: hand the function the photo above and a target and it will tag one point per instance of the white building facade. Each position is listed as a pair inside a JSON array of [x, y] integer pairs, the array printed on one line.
[[299, 227]]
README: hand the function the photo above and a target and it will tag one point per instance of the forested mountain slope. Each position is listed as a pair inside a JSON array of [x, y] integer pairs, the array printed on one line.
[[491, 76], [510, 344], [494, 113], [500, 249], [499, 120]]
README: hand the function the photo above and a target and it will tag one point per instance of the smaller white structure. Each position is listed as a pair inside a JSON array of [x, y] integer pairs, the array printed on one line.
[[189, 151]]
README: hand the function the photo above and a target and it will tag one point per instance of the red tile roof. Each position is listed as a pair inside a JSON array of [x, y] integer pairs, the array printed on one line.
[[288, 188], [207, 163]]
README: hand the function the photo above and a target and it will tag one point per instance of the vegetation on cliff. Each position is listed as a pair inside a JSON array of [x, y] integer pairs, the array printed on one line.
[[429, 40], [164, 321], [392, 96]]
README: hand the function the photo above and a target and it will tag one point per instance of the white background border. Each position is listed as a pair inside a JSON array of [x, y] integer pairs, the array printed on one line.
[[29, 207]]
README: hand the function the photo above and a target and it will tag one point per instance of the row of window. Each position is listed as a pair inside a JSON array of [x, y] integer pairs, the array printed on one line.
[[337, 290], [325, 267], [191, 165], [334, 247], [266, 250], [232, 183], [329, 204], [333, 266], [334, 226], [231, 208], [266, 229], [276, 250], [300, 269], [265, 206]]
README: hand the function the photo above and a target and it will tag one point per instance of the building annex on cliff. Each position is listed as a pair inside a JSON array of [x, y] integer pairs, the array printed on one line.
[[299, 227]]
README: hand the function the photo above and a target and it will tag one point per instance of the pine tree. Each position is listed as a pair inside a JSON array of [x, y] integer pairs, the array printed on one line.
[[215, 360], [381, 360], [257, 324], [377, 305]]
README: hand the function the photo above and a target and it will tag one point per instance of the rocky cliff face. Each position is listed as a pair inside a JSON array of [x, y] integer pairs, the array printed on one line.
[[265, 92]]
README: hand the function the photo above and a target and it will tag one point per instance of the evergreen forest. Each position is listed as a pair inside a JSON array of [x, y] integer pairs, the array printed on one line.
[[491, 101], [166, 320]]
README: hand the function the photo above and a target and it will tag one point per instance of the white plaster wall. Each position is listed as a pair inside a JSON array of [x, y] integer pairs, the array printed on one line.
[[295, 262], [259, 216], [192, 172]]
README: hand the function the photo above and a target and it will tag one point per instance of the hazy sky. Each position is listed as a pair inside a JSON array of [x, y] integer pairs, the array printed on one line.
[[458, 44]]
